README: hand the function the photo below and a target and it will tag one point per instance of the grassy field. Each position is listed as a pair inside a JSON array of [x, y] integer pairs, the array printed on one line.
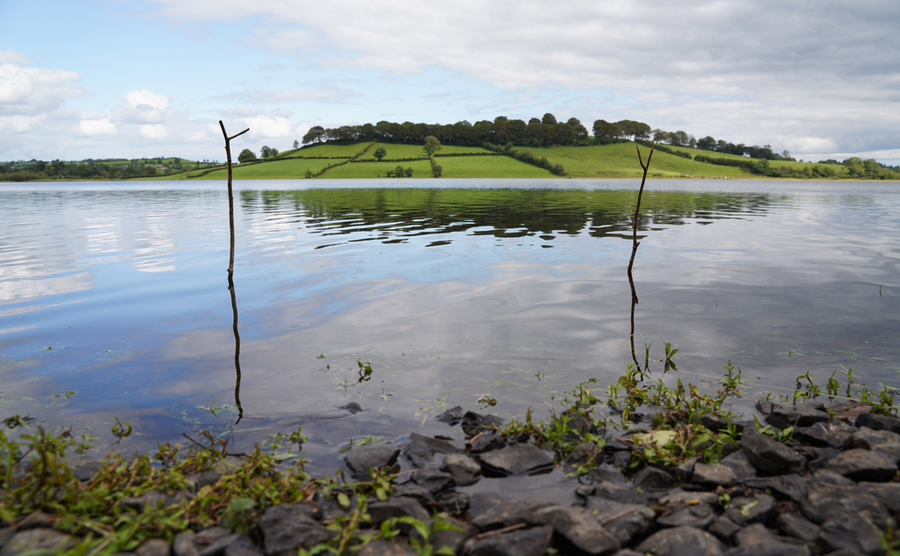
[[618, 160]]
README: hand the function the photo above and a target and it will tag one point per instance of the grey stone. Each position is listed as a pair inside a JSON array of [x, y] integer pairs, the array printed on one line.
[[766, 407], [623, 494], [886, 493], [473, 423], [745, 510], [584, 453], [508, 514], [864, 465], [83, 467], [487, 441], [360, 460], [774, 548], [791, 486], [288, 527], [524, 542], [412, 490], [481, 502], [754, 534], [829, 477], [153, 547], [724, 528], [222, 545], [397, 507], [516, 460], [831, 434], [678, 496], [891, 451], [652, 478], [823, 502], [801, 415], [37, 539], [868, 439], [712, 476], [682, 541], [183, 545], [452, 502], [432, 479], [769, 456], [740, 464], [578, 527], [878, 422], [452, 538], [463, 469], [851, 532], [794, 525], [693, 515], [685, 471], [626, 522], [606, 472]]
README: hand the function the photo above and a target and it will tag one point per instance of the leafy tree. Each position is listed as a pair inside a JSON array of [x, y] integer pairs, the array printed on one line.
[[549, 119], [398, 171], [265, 152], [432, 145], [296, 144], [246, 156], [408, 172], [380, 153]]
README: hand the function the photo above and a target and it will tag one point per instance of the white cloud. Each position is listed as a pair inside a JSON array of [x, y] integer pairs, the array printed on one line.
[[20, 124], [265, 126], [96, 127], [12, 57], [154, 131], [145, 106], [33, 91]]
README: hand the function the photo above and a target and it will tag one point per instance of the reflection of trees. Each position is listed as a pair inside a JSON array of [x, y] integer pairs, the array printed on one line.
[[395, 214]]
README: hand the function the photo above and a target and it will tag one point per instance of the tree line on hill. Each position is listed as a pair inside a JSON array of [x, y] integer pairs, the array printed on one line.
[[94, 169]]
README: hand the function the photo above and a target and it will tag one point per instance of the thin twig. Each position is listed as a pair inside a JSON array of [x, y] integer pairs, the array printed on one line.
[[499, 531]]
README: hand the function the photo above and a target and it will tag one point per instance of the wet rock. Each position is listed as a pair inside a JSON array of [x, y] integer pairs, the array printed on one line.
[[801, 415], [153, 547], [886, 493], [39, 539], [423, 451], [766, 407], [878, 422], [625, 522], [864, 465], [579, 423], [183, 545], [831, 434], [740, 464], [397, 506], [692, 515], [754, 534], [652, 478], [524, 542], [679, 496], [829, 477], [745, 510], [607, 473], [204, 478], [624, 494], [386, 548], [579, 529], [798, 527], [768, 549], [849, 410], [823, 502], [724, 528], [712, 476], [432, 479], [360, 460], [289, 527], [768, 456], [452, 416], [584, 453], [851, 532], [867, 439], [463, 469], [486, 442], [505, 515], [154, 498], [452, 502], [228, 545], [681, 540], [791, 486], [473, 423], [517, 459], [891, 451]]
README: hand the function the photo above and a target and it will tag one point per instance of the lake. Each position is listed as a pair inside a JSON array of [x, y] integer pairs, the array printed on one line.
[[409, 297]]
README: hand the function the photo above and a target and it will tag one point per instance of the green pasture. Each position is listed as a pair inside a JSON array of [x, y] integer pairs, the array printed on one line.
[[489, 167], [365, 170], [328, 150], [274, 169], [400, 150]]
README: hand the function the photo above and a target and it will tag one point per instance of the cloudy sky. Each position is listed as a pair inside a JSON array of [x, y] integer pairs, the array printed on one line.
[[128, 78]]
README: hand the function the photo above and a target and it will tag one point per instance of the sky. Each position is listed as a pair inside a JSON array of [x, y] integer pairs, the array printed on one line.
[[147, 78]]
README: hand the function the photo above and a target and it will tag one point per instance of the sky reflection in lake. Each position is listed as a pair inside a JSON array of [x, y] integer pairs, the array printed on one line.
[[513, 289]]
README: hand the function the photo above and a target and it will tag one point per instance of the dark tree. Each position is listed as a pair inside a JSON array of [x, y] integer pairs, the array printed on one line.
[[246, 156], [380, 153]]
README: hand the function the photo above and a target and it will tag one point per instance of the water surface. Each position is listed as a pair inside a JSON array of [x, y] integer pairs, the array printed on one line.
[[450, 290]]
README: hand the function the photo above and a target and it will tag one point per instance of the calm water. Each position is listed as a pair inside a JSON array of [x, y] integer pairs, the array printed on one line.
[[116, 293]]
